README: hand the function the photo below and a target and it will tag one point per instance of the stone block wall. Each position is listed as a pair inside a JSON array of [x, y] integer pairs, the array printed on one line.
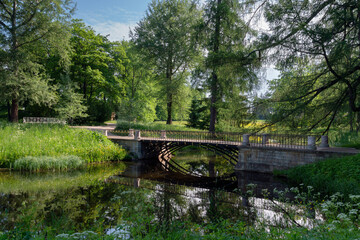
[[266, 160], [133, 146]]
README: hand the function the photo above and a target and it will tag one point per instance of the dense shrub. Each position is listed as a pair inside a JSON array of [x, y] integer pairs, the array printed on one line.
[[329, 176]]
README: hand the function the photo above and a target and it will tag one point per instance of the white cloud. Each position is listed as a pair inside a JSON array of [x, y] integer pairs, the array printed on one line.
[[118, 31]]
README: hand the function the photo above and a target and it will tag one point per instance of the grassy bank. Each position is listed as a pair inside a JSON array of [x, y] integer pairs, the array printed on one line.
[[22, 140], [329, 176]]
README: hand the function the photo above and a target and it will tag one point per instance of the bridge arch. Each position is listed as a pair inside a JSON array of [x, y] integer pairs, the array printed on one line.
[[165, 149]]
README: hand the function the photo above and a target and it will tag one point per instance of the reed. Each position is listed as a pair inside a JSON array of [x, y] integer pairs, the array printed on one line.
[[22, 140], [60, 163]]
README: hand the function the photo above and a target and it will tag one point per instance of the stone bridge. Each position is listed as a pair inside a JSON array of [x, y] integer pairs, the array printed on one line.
[[248, 152]]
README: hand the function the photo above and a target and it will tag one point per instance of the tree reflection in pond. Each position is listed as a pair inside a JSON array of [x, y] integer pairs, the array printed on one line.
[[137, 195]]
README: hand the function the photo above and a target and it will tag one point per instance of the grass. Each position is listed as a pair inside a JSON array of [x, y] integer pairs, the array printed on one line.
[[345, 139], [22, 140], [176, 126], [60, 163], [328, 176]]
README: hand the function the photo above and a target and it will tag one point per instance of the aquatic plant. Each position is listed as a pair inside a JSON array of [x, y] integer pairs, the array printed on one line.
[[58, 163]]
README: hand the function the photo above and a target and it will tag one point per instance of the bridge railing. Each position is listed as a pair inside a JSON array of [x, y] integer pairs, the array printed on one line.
[[256, 140], [284, 141], [193, 136]]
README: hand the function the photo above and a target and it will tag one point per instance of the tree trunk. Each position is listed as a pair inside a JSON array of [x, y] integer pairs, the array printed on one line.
[[213, 107], [214, 77], [169, 109], [351, 123], [9, 111], [14, 117], [169, 93], [84, 88]]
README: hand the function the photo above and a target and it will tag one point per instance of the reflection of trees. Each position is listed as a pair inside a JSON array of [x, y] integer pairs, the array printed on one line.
[[196, 159], [92, 204], [168, 206]]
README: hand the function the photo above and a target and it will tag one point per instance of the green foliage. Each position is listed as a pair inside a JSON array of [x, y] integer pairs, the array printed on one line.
[[329, 176], [123, 125], [166, 38], [96, 67], [28, 32], [320, 66], [199, 115], [47, 163], [70, 105], [141, 90], [345, 139], [54, 140], [230, 65]]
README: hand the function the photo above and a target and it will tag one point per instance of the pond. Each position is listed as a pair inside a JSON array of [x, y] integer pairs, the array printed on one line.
[[200, 188]]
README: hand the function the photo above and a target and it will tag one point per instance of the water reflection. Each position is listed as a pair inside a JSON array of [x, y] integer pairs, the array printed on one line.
[[103, 197]]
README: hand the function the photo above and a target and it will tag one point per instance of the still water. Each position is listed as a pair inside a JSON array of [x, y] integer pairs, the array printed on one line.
[[200, 187]]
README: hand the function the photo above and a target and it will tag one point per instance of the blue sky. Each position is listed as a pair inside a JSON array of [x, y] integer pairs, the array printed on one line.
[[116, 17], [113, 17]]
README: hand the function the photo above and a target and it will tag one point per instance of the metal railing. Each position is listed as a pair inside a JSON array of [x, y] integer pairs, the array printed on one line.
[[284, 141], [254, 140], [122, 133], [43, 120]]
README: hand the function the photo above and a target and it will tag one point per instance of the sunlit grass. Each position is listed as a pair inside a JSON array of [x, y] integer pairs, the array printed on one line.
[[160, 125], [59, 163], [22, 140]]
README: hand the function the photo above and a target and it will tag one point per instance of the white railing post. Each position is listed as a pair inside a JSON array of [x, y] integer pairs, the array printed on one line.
[[131, 133], [265, 138], [246, 140], [163, 134], [137, 135], [311, 143], [324, 141]]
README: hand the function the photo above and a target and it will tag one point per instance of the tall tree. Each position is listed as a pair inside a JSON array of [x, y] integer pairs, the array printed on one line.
[[325, 35], [139, 101], [23, 25], [231, 61], [97, 66], [165, 37]]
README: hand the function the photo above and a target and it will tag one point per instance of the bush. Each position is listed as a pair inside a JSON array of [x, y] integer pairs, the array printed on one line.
[[329, 176]]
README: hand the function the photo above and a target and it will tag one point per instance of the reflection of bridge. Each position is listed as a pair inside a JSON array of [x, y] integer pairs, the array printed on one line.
[[250, 152]]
